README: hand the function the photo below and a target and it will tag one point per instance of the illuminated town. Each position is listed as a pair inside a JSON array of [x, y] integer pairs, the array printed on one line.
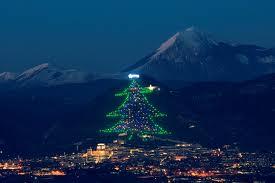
[[142, 91], [171, 162]]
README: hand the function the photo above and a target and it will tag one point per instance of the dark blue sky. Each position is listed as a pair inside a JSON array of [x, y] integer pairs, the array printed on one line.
[[107, 35]]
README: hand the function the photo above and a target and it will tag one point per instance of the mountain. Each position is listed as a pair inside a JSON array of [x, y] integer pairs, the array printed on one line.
[[67, 106], [194, 56], [210, 113], [46, 75], [7, 76], [35, 115], [216, 113]]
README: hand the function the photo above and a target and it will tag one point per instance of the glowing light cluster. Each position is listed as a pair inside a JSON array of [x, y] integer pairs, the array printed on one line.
[[151, 88], [133, 76], [144, 90], [136, 114]]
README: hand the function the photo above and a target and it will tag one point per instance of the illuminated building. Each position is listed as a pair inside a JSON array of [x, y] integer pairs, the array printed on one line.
[[10, 166], [48, 172], [119, 142], [101, 146], [179, 158], [101, 153]]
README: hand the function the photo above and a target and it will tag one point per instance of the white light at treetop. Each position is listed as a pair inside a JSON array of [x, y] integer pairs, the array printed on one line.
[[133, 76]]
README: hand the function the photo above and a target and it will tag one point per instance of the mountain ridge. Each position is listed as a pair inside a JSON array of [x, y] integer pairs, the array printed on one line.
[[47, 74], [195, 56], [219, 113], [188, 56]]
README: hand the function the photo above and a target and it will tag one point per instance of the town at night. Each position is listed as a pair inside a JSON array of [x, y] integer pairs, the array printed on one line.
[[137, 149], [170, 161], [137, 91]]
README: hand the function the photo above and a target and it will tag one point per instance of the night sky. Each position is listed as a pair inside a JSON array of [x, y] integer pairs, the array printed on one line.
[[108, 35]]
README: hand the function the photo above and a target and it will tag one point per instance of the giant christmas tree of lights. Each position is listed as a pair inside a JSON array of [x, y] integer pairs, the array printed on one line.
[[136, 115]]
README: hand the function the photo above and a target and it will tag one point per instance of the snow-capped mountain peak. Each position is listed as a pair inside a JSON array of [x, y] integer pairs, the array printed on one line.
[[47, 74], [7, 76], [167, 44], [32, 71], [191, 39], [192, 55]]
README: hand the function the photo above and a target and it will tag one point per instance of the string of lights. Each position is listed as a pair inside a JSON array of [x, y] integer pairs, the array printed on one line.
[[136, 114]]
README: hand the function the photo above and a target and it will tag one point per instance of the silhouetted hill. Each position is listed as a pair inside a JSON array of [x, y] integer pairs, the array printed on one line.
[[52, 119]]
